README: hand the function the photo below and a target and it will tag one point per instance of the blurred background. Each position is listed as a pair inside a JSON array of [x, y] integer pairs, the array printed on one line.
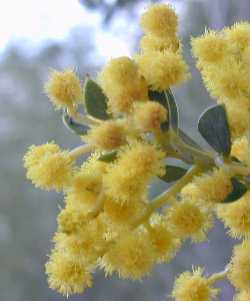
[[36, 36]]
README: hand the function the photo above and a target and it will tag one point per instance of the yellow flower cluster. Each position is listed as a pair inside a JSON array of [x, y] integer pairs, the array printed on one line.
[[243, 296], [160, 61], [193, 287], [223, 59], [108, 220], [239, 273], [48, 167], [210, 188]]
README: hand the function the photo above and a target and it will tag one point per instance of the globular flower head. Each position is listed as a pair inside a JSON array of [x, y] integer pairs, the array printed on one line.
[[239, 273], [188, 219], [64, 89], [122, 84], [236, 217], [241, 149], [238, 35], [67, 276], [131, 257], [122, 214], [162, 69], [193, 287], [211, 188], [127, 179], [210, 48], [84, 245], [85, 188], [239, 118], [71, 219], [164, 241], [149, 116], [229, 81], [151, 42], [48, 167], [108, 135], [160, 20], [242, 296]]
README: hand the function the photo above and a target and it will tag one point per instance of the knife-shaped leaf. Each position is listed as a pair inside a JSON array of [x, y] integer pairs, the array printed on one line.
[[213, 126], [173, 173], [95, 100]]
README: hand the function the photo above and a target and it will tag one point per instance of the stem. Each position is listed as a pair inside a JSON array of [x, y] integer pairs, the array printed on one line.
[[218, 276], [81, 150], [168, 195], [85, 119]]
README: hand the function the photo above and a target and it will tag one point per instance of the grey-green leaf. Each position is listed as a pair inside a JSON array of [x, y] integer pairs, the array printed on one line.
[[108, 157], [173, 110], [95, 100], [173, 173], [213, 126], [188, 140], [239, 189], [73, 126], [161, 99]]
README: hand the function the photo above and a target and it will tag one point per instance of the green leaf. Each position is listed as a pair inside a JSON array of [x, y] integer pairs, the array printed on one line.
[[214, 128], [95, 100], [173, 173], [108, 157], [73, 126], [239, 189], [161, 99], [172, 110]]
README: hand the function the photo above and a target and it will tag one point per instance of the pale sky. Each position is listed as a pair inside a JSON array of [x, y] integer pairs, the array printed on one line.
[[40, 20], [36, 21]]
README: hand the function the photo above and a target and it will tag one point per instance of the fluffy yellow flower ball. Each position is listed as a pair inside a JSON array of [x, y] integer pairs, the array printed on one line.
[[131, 257], [238, 35], [150, 42], [193, 287], [164, 241], [85, 245], [108, 135], [239, 273], [212, 187], [67, 276], [236, 217], [123, 214], [242, 296], [162, 69], [85, 188], [188, 219], [210, 48], [149, 116], [48, 167], [239, 117], [64, 89], [230, 81], [160, 20], [71, 219], [241, 149], [127, 179], [122, 84]]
